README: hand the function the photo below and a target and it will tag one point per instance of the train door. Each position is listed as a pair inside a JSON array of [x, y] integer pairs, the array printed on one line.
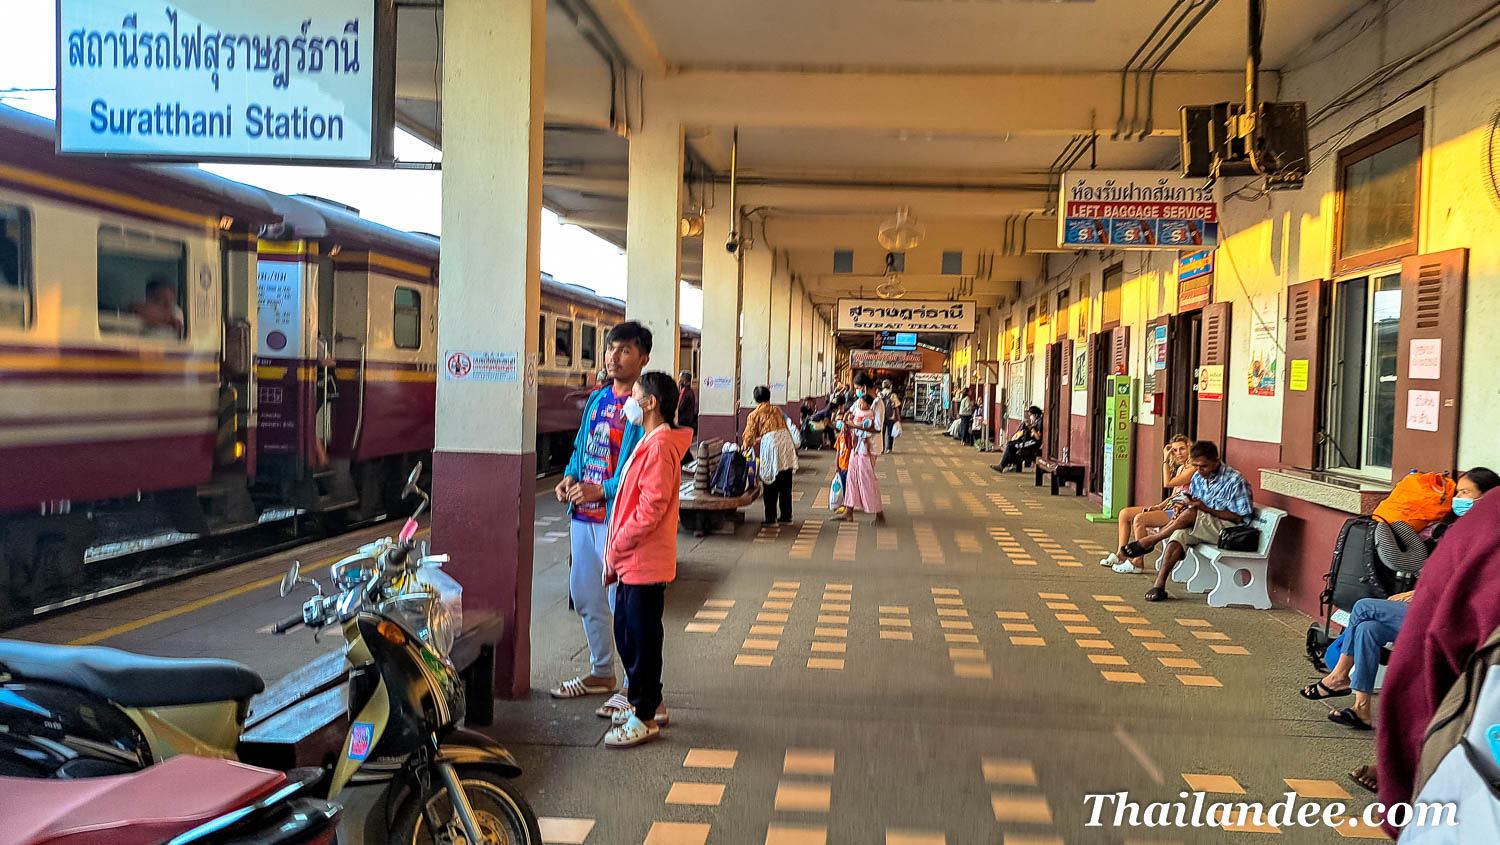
[[323, 355]]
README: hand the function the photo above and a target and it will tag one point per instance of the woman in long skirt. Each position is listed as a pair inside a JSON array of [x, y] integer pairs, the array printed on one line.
[[862, 490]]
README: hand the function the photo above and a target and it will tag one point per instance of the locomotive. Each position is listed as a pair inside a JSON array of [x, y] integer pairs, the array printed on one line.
[[182, 352]]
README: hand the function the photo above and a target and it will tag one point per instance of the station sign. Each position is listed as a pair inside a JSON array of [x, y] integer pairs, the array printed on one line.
[[206, 80], [884, 359], [1136, 209], [906, 315]]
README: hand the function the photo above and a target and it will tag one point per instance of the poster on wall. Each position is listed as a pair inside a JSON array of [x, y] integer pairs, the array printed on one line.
[[1265, 354], [1211, 381], [1136, 209], [1081, 370], [206, 79]]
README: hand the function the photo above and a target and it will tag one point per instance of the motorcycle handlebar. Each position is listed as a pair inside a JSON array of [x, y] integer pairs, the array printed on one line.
[[287, 624]]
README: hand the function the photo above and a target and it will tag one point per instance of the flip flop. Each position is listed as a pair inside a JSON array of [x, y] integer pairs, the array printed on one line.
[[579, 687], [1311, 692], [1135, 549], [1367, 777], [1156, 594], [1348, 718]]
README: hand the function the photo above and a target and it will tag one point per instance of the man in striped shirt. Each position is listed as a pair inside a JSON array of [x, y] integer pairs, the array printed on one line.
[[1218, 497]]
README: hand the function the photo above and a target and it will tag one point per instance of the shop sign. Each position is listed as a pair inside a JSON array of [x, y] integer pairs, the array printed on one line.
[[1136, 209], [906, 315], [884, 359], [206, 79]]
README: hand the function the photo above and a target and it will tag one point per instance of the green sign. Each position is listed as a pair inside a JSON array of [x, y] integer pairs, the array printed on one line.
[[1117, 449]]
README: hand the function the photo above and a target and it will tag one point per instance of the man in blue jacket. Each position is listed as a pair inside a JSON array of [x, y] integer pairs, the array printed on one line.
[[604, 442]]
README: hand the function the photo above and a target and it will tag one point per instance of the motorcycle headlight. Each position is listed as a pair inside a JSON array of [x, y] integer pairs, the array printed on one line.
[[429, 619]]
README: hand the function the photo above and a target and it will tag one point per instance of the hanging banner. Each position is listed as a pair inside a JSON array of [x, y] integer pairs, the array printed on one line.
[[906, 315], [884, 359], [210, 80], [1136, 209]]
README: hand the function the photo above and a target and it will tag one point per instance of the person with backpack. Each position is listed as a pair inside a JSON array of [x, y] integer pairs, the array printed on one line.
[[605, 441], [642, 554], [1453, 611]]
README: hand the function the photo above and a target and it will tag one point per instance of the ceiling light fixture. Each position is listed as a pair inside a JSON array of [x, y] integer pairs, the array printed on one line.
[[902, 231]]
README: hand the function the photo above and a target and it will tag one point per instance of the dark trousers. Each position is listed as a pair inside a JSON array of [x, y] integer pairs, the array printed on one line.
[[1018, 452], [890, 436], [779, 491], [966, 428], [638, 638]]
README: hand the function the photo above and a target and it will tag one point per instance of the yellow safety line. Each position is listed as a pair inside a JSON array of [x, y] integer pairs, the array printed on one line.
[[199, 604]]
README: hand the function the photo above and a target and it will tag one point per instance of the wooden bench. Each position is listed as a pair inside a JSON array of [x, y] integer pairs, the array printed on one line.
[[700, 511], [474, 655], [1212, 570], [1061, 474]]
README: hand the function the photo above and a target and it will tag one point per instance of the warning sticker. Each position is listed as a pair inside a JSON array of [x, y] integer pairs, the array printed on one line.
[[480, 366]]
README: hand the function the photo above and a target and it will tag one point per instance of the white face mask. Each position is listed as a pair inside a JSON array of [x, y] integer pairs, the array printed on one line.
[[633, 411]]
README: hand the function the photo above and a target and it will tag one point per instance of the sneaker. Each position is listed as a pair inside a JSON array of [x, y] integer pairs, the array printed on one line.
[[1125, 567], [1111, 560]]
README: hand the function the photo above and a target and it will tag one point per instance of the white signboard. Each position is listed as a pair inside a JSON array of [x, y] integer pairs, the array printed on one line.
[[469, 365], [1426, 360], [208, 79], [718, 383], [906, 315], [1136, 209], [278, 320], [1422, 410]]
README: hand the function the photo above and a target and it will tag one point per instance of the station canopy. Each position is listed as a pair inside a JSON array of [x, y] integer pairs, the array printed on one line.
[[964, 111]]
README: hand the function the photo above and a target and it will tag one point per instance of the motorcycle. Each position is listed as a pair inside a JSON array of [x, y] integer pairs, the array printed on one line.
[[183, 801], [380, 715]]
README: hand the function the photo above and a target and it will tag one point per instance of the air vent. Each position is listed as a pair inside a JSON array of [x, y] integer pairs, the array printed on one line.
[[1429, 296], [1301, 315], [843, 261], [953, 263]]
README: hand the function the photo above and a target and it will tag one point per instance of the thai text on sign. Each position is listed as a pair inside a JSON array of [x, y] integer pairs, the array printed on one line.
[[1133, 209], [882, 315]]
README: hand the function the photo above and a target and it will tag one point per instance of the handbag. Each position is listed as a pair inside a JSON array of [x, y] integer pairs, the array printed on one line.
[[1240, 538]]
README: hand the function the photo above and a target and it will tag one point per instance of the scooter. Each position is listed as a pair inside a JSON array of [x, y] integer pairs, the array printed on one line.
[[183, 801], [380, 713]]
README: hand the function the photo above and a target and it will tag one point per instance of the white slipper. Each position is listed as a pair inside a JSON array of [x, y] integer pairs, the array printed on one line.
[[1125, 567], [634, 732], [1111, 560], [617, 709], [578, 688]]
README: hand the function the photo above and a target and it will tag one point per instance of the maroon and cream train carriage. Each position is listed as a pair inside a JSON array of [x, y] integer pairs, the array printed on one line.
[[117, 373]]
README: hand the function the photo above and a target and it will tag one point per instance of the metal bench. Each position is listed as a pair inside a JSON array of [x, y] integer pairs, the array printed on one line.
[[1061, 474], [1216, 572]]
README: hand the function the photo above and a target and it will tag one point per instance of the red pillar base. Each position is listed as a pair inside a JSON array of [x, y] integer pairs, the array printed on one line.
[[483, 515], [721, 426]]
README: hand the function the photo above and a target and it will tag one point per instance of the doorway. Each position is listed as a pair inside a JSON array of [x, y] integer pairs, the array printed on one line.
[[1099, 369], [1184, 356]]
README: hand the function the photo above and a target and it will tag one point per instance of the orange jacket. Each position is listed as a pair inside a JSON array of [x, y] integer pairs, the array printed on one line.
[[642, 547]]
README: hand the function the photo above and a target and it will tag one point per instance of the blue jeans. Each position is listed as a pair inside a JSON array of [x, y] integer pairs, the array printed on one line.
[[1372, 624]]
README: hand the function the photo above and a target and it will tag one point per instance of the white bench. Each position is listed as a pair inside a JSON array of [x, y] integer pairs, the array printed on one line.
[[1210, 569]]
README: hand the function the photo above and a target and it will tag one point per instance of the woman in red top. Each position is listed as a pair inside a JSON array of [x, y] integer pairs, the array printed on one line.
[[642, 552]]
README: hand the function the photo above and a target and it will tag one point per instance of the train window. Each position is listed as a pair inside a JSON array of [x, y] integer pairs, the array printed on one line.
[[142, 284], [541, 340], [15, 267], [562, 350], [588, 345], [406, 328]]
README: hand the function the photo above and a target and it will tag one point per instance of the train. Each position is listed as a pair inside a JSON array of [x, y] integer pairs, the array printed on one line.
[[183, 353]]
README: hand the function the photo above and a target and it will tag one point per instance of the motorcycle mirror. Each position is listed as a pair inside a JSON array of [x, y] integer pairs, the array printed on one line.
[[289, 580], [411, 481]]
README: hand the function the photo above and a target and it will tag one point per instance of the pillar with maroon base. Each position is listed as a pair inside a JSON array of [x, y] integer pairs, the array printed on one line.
[[484, 460], [718, 400]]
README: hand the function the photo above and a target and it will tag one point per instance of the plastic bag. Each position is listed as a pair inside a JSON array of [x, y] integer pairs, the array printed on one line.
[[896, 430], [836, 493]]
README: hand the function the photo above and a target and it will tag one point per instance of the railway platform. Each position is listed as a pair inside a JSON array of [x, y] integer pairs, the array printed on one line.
[[965, 674]]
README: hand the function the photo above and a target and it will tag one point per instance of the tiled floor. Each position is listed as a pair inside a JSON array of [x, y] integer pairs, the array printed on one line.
[[964, 675]]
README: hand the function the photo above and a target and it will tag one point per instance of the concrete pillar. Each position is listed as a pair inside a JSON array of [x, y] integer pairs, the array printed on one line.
[[795, 349], [718, 416], [484, 460], [755, 342], [809, 349], [781, 310], [653, 252]]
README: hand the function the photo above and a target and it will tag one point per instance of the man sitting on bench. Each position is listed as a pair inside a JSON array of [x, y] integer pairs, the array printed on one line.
[[1218, 497]]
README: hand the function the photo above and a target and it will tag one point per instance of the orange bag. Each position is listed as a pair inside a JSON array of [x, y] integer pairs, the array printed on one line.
[[1418, 499]]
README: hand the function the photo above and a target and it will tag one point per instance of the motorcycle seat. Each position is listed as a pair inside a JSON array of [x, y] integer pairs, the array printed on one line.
[[131, 680], [141, 808]]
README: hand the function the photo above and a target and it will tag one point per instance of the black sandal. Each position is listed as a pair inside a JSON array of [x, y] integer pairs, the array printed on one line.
[[1135, 549], [1311, 692], [1348, 718], [1367, 777], [1157, 594]]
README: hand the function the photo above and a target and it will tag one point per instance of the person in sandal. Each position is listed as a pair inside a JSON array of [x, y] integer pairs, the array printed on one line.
[[604, 442], [642, 553], [1372, 624], [1218, 497]]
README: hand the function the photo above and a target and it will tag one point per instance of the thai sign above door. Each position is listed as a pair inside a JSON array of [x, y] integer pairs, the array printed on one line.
[[906, 315], [211, 80], [884, 359], [1136, 209]]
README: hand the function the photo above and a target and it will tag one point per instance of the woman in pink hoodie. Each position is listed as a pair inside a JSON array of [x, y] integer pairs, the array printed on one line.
[[642, 551]]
